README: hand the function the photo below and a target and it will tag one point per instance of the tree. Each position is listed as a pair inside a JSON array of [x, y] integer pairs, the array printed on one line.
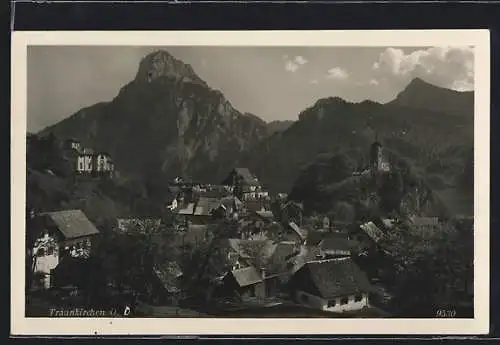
[[430, 268], [343, 212]]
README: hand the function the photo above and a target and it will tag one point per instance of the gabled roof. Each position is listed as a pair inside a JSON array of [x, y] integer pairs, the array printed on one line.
[[246, 276], [205, 206], [336, 277], [265, 214], [336, 242], [186, 209], [72, 223], [372, 231], [302, 233]]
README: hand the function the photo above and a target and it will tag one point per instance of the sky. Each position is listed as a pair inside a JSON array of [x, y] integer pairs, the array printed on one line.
[[274, 83]]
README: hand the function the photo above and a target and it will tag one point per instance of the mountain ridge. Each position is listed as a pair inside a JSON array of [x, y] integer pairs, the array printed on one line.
[[168, 122]]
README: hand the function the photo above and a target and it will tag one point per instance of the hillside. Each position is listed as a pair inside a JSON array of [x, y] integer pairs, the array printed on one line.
[[421, 95], [165, 123], [52, 185], [328, 186], [437, 142]]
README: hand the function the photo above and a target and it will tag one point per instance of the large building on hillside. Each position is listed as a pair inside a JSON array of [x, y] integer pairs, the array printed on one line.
[[89, 162]]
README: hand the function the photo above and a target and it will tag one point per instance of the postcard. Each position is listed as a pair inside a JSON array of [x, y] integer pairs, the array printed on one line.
[[250, 183]]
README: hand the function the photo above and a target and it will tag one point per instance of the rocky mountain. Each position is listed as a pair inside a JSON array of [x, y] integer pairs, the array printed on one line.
[[421, 95], [167, 122]]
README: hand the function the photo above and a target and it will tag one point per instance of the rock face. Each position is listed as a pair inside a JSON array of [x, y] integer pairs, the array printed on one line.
[[167, 122]]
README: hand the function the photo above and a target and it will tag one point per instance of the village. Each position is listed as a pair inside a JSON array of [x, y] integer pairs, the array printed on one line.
[[230, 248]]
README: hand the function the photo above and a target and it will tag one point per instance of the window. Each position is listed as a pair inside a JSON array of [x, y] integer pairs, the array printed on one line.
[[358, 298], [332, 303], [344, 300]]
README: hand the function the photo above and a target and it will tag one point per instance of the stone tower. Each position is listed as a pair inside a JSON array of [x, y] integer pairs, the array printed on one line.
[[376, 156]]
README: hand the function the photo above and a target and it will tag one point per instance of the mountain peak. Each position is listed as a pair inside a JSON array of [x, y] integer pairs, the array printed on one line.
[[161, 63], [421, 94]]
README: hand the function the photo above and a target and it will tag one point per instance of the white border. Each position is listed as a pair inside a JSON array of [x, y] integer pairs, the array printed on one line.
[[415, 38]]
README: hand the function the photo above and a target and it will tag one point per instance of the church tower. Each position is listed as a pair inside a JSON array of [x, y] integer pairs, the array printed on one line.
[[376, 156]]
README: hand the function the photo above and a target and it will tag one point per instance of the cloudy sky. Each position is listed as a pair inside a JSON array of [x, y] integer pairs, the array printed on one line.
[[275, 83]]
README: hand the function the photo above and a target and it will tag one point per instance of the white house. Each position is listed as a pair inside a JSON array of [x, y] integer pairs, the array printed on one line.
[[334, 285], [60, 233]]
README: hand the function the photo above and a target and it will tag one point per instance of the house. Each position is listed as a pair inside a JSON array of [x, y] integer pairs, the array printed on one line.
[[335, 285], [171, 202], [256, 205], [243, 283], [371, 237], [85, 161], [335, 245], [59, 234], [200, 211], [245, 184], [298, 231], [103, 163]]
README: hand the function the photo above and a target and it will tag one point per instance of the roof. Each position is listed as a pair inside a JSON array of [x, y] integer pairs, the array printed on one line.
[[372, 231], [265, 214], [293, 203], [313, 238], [246, 276], [204, 206], [281, 255], [299, 231], [332, 242], [187, 209], [230, 201], [87, 151], [337, 277], [72, 223]]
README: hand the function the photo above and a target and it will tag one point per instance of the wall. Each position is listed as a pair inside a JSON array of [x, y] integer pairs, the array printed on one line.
[[322, 304]]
